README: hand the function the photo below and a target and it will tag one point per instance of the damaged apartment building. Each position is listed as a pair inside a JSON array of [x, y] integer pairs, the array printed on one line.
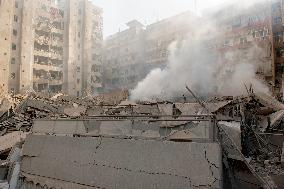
[[260, 26], [45, 46], [130, 54]]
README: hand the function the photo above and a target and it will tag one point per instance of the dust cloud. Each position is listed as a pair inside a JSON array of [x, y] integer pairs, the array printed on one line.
[[192, 62]]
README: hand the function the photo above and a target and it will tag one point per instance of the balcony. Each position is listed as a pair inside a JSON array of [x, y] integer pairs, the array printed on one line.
[[46, 81], [56, 56], [46, 67], [56, 82], [41, 53], [54, 30]]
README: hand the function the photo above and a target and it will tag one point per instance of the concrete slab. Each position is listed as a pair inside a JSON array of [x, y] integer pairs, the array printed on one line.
[[121, 163], [9, 140]]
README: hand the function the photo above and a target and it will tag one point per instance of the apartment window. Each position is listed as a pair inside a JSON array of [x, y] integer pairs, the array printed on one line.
[[13, 61], [15, 18], [13, 75], [78, 81], [277, 20], [243, 40], [14, 46], [78, 69], [16, 4], [78, 57], [80, 12], [15, 32], [79, 45], [79, 34]]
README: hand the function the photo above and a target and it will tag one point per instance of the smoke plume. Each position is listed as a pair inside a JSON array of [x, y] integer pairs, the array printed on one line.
[[192, 62]]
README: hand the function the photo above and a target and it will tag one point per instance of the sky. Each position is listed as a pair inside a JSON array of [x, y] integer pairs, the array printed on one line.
[[118, 12]]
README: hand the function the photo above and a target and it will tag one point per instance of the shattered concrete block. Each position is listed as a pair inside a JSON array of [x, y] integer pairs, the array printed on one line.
[[4, 185], [9, 140], [282, 157], [269, 101], [75, 111], [40, 105], [59, 127]]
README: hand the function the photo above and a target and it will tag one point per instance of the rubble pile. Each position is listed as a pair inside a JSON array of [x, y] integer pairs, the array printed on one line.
[[248, 128]]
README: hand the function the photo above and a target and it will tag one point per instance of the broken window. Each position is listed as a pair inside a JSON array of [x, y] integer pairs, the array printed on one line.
[[15, 32], [277, 20], [14, 46], [13, 61], [15, 18], [261, 33], [243, 40], [13, 75]]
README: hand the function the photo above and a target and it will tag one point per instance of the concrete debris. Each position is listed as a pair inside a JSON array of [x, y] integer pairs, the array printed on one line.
[[276, 118], [282, 157], [107, 134], [113, 98], [269, 101], [75, 111], [9, 140]]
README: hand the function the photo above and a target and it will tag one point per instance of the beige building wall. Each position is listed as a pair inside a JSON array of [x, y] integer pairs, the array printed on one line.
[[50, 45], [92, 50], [124, 58], [72, 66], [27, 45], [84, 41], [6, 39], [14, 78], [160, 35]]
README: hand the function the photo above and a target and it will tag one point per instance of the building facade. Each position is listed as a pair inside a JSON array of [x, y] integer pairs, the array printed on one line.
[[84, 41], [49, 46], [242, 30], [277, 10], [10, 30], [160, 35], [131, 54], [245, 36], [124, 61]]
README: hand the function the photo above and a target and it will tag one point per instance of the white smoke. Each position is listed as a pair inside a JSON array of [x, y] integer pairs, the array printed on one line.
[[192, 63]]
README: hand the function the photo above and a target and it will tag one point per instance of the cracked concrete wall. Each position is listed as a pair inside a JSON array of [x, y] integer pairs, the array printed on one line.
[[120, 163], [141, 129]]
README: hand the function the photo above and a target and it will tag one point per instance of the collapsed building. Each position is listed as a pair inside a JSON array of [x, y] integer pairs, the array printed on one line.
[[110, 142]]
